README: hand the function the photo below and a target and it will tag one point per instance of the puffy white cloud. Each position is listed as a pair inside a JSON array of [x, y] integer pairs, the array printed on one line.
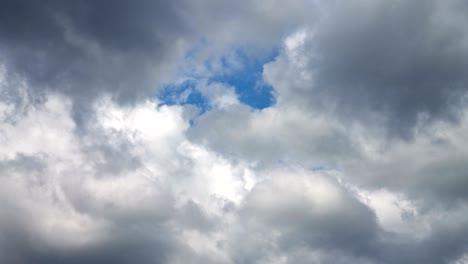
[[59, 187], [179, 200]]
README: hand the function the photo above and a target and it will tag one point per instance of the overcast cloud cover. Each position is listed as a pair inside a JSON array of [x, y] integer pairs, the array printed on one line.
[[128, 133]]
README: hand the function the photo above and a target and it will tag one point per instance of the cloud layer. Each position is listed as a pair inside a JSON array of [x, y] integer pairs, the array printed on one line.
[[361, 158]]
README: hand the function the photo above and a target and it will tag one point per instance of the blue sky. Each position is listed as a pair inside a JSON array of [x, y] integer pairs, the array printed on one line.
[[246, 78]]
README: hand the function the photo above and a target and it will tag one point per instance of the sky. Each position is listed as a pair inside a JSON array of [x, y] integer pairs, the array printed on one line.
[[234, 132]]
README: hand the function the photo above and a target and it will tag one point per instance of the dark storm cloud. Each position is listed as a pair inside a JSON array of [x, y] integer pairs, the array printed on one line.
[[406, 60], [84, 48]]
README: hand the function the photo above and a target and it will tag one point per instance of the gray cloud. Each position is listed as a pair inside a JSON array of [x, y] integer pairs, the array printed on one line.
[[87, 48], [128, 51], [405, 61], [286, 219], [275, 135], [314, 212], [431, 169]]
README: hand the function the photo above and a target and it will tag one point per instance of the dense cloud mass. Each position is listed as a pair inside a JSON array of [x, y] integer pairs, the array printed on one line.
[[87, 47], [126, 136], [404, 60]]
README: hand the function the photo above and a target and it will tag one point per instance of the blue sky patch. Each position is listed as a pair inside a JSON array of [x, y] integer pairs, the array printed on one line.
[[248, 82], [182, 94], [246, 79]]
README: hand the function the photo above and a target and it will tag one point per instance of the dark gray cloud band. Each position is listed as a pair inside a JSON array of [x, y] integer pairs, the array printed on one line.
[[87, 48]]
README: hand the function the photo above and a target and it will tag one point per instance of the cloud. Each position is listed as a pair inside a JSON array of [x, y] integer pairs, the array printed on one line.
[[66, 200], [361, 159], [276, 134], [128, 50], [181, 201], [395, 63], [430, 168], [88, 48], [310, 210]]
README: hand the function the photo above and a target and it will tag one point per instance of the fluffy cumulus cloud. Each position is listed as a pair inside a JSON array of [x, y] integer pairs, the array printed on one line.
[[261, 131]]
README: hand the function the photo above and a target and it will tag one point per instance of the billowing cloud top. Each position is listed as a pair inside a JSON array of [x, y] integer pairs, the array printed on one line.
[[263, 131]]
